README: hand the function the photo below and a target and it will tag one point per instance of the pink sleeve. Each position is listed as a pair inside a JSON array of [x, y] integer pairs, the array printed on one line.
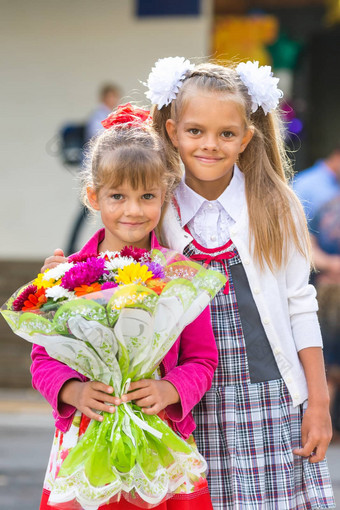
[[48, 377], [198, 358]]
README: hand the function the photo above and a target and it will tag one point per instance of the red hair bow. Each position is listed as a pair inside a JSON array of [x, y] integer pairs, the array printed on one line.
[[127, 114]]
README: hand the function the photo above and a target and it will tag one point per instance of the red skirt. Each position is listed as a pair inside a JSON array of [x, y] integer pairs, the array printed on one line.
[[199, 500]]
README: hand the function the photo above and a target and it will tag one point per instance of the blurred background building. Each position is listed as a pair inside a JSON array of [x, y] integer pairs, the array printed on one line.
[[54, 57]]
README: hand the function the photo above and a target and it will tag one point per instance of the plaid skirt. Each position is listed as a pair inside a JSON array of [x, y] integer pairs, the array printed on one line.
[[247, 431]]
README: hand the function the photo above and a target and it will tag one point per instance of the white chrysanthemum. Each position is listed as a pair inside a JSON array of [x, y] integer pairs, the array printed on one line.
[[58, 292], [57, 272], [165, 79], [118, 263], [261, 85]]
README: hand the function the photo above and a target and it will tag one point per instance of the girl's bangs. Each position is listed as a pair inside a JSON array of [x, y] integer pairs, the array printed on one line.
[[134, 166]]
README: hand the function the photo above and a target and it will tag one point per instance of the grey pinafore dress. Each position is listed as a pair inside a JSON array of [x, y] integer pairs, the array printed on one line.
[[247, 426]]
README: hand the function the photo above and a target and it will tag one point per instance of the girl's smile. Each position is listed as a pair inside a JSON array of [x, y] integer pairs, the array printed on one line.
[[209, 135], [129, 215]]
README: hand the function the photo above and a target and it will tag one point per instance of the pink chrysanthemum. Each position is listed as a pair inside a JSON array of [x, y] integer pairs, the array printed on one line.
[[109, 285], [84, 273], [18, 303]]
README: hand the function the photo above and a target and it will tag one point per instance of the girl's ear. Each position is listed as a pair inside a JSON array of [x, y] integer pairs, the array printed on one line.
[[92, 198], [247, 137], [172, 132]]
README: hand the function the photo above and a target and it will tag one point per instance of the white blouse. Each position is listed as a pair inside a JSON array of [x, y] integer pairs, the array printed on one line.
[[284, 298], [203, 216]]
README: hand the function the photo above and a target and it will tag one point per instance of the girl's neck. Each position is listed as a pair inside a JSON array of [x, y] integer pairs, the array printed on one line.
[[210, 190]]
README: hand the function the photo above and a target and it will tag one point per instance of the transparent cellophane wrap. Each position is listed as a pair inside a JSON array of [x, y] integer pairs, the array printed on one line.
[[116, 336]]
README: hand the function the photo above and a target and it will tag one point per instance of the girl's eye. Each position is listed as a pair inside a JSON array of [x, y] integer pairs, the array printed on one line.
[[227, 134], [117, 196], [148, 196], [194, 131]]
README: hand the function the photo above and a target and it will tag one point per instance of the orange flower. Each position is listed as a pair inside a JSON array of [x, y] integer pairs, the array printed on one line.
[[35, 300], [87, 289], [156, 284]]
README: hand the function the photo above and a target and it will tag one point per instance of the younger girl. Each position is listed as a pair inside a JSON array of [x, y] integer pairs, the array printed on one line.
[[264, 426], [128, 183]]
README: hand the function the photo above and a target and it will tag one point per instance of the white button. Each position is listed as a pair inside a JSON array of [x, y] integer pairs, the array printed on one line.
[[266, 321], [247, 261], [234, 230], [210, 205], [212, 238], [296, 396], [257, 291], [277, 350], [289, 379]]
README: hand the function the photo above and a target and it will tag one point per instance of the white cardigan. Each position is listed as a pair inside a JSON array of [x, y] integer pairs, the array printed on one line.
[[285, 300]]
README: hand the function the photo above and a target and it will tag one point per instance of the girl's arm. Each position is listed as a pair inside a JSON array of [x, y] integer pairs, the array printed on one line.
[[316, 431], [66, 390]]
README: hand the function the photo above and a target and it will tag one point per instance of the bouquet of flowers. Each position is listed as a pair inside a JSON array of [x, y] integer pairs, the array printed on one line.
[[113, 318]]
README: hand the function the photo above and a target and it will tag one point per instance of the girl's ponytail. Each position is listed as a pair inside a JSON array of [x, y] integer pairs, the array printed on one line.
[[159, 118], [275, 214]]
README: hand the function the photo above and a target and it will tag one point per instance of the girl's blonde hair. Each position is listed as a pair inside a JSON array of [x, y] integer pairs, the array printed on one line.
[[123, 153], [275, 214]]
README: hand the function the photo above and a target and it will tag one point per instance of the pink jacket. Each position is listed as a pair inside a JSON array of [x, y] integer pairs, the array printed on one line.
[[189, 366]]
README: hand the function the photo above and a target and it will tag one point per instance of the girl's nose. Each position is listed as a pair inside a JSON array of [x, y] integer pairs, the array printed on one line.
[[210, 143], [133, 208]]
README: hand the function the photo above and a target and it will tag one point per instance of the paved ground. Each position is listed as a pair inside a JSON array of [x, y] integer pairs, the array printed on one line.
[[26, 431]]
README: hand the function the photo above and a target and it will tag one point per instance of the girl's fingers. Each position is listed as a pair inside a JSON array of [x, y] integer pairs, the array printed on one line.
[[52, 262], [135, 395], [92, 414], [143, 383], [145, 402], [99, 406], [307, 450], [155, 409], [96, 385]]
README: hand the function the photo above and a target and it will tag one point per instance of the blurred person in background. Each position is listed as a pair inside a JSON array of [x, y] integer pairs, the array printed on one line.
[[109, 98], [318, 188]]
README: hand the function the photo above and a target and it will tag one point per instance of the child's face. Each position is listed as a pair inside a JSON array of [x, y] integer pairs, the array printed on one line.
[[128, 215], [210, 135]]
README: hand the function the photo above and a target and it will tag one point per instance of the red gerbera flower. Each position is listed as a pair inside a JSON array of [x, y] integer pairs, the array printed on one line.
[[35, 300]]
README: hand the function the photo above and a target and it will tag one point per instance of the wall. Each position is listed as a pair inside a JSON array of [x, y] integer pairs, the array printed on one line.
[[53, 56]]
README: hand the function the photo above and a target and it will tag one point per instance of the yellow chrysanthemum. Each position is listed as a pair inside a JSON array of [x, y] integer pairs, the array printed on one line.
[[133, 273], [46, 284]]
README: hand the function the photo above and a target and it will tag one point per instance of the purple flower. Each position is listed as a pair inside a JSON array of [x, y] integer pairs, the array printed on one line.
[[109, 285], [156, 269], [84, 273]]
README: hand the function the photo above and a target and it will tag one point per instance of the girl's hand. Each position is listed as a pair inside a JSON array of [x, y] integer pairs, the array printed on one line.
[[152, 396], [57, 258], [88, 397], [316, 433]]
